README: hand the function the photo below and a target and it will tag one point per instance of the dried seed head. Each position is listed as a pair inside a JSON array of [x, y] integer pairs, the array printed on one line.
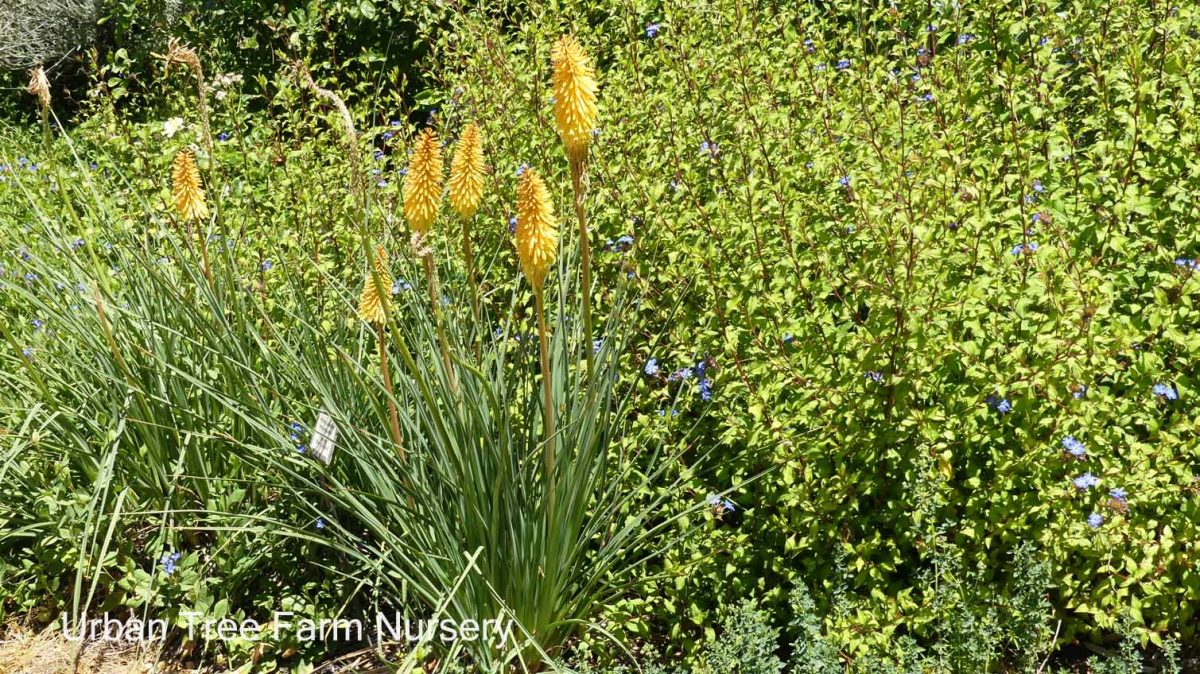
[[39, 86]]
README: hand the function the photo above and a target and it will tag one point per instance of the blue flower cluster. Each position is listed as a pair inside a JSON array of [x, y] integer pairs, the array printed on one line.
[[720, 505], [1074, 447], [169, 562], [998, 404], [621, 245], [1165, 391], [1027, 248], [699, 372], [295, 435], [1085, 481]]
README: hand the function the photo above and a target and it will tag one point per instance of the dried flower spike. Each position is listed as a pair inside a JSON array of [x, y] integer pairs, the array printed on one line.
[[39, 86], [423, 184], [574, 96], [466, 172], [370, 303], [186, 188], [537, 235]]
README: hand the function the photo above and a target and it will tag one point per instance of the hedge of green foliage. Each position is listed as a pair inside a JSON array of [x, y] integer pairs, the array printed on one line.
[[917, 293]]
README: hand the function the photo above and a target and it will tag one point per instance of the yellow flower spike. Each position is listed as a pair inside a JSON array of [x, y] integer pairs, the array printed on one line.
[[186, 188], [423, 184], [574, 96], [537, 235], [466, 173], [370, 303]]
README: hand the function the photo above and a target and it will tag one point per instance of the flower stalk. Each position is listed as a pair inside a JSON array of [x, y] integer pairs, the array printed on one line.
[[372, 308], [576, 112], [466, 191], [422, 198], [537, 249], [40, 86]]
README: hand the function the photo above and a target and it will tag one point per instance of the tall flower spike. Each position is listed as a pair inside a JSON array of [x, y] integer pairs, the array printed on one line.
[[370, 303], [186, 188], [574, 96], [423, 184], [537, 235], [466, 172]]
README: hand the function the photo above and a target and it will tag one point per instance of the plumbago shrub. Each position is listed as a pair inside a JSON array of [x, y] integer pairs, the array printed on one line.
[[931, 269]]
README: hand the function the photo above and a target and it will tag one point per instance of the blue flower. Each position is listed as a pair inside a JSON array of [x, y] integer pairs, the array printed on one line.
[[1095, 520], [1080, 393], [928, 97], [222, 137], [651, 368], [1027, 248], [512, 224], [37, 323], [377, 154], [596, 345], [1187, 263], [387, 135], [680, 374], [705, 389], [77, 244], [1165, 391], [965, 38], [874, 375], [382, 183], [652, 30], [1085, 481], [169, 562], [843, 64], [1038, 187], [267, 265], [709, 148], [301, 449], [320, 523], [1117, 494], [808, 46], [27, 352], [998, 404], [844, 181], [1074, 447], [721, 505], [788, 338], [663, 413], [820, 67], [521, 170], [400, 285]]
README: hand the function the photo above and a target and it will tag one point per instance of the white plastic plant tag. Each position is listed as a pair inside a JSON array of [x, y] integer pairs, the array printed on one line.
[[324, 438]]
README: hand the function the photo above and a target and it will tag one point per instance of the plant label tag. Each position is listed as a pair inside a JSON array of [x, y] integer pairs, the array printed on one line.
[[324, 438]]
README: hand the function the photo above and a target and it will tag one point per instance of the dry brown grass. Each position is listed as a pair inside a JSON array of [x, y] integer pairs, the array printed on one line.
[[47, 652]]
